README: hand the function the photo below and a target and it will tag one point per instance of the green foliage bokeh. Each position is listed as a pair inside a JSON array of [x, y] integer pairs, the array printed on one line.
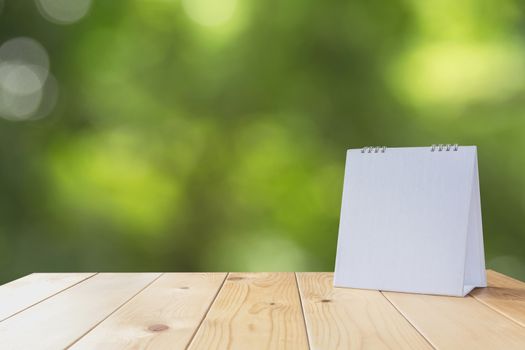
[[181, 146]]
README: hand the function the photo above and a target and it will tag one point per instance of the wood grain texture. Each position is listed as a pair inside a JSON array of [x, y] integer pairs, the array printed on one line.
[[254, 311], [31, 289], [251, 311], [458, 322], [505, 295], [165, 315], [57, 322], [344, 318]]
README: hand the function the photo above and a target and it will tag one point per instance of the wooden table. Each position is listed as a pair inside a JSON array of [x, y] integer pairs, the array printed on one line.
[[250, 311]]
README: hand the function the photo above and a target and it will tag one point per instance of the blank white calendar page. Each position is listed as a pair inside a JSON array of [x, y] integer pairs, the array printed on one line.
[[404, 219]]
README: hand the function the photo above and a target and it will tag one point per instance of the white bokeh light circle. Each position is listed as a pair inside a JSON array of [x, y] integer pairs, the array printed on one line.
[[28, 51], [63, 11], [20, 79], [27, 88], [20, 91]]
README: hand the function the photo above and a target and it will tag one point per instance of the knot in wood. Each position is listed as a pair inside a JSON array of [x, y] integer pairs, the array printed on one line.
[[158, 327]]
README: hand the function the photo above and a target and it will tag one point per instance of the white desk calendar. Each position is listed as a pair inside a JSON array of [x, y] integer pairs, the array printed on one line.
[[411, 221]]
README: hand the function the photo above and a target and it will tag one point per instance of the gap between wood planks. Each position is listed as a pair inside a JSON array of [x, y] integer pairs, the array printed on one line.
[[48, 297], [112, 312], [302, 311], [207, 311], [409, 322], [490, 281]]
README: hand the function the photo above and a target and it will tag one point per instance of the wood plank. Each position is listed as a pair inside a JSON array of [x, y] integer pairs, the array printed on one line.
[[163, 316], [254, 311], [505, 295], [57, 322], [344, 318], [24, 292], [458, 322]]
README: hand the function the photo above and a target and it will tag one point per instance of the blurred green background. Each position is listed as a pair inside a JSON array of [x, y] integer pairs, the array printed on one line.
[[210, 135]]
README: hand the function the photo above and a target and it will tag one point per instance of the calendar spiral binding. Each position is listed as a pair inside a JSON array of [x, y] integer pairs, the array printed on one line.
[[433, 148], [373, 149], [442, 147]]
